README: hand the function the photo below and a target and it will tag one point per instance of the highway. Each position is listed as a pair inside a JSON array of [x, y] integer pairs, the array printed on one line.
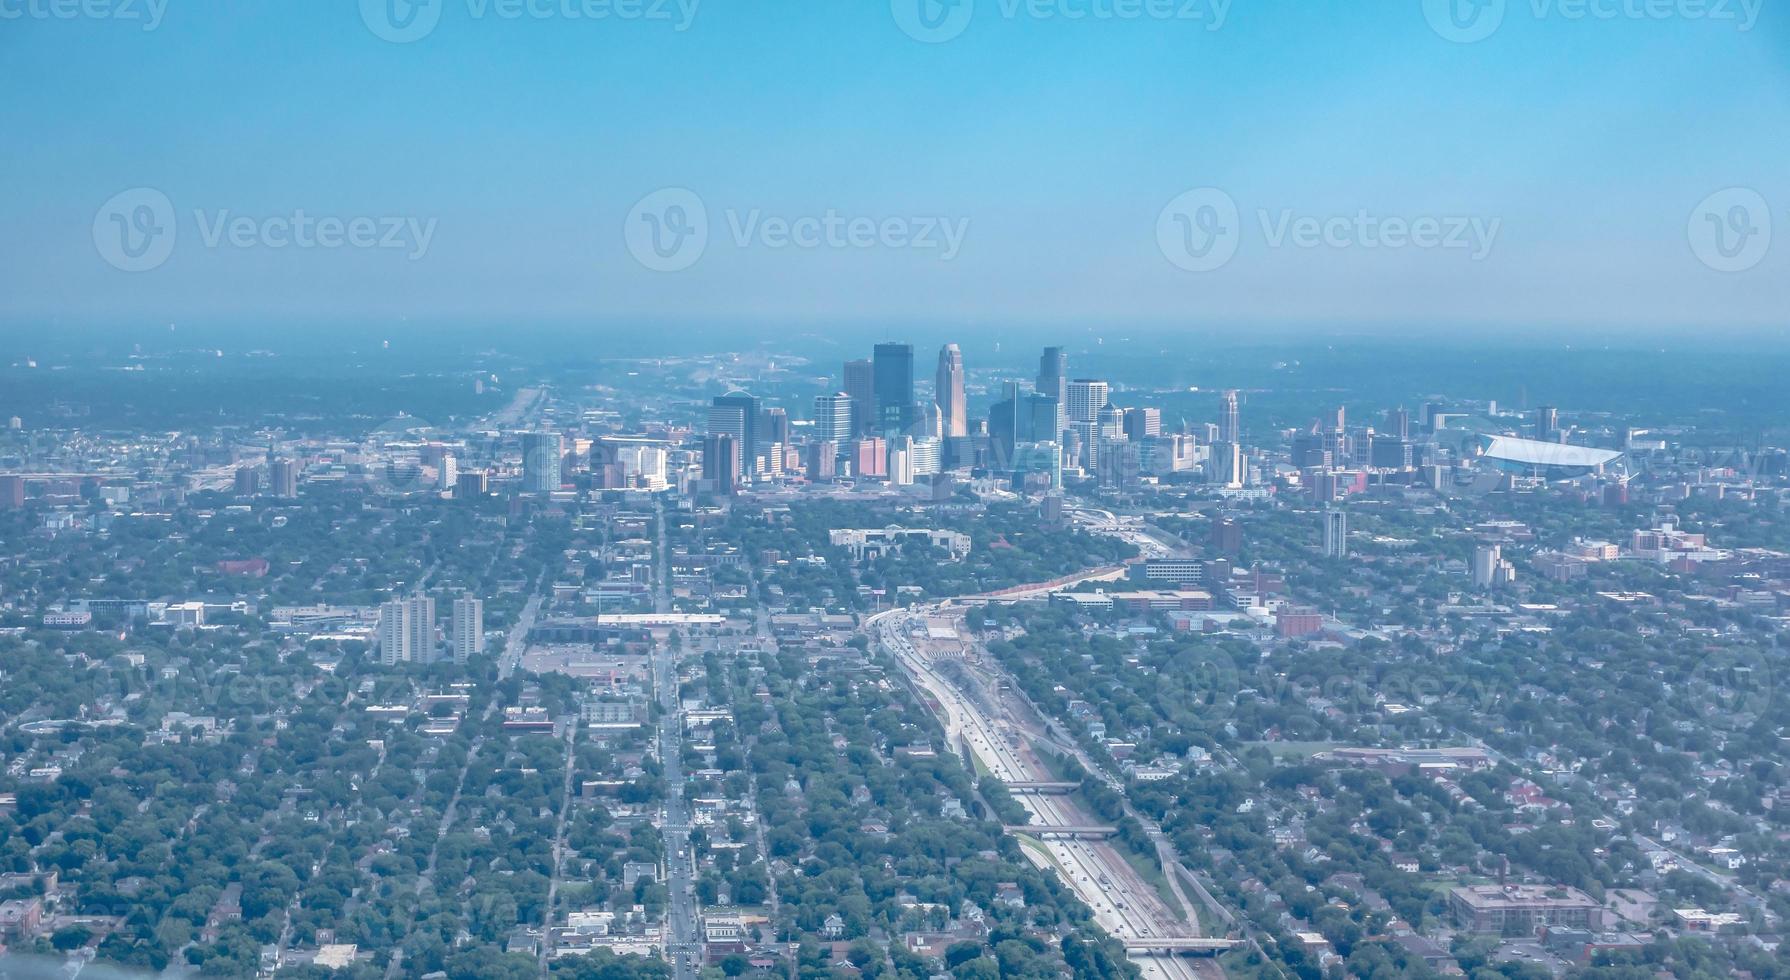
[[1123, 904], [1133, 530]]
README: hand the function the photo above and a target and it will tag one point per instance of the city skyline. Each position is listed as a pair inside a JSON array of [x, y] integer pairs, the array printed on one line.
[[906, 490]]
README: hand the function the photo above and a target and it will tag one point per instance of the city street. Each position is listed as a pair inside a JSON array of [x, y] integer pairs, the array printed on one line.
[[683, 927]]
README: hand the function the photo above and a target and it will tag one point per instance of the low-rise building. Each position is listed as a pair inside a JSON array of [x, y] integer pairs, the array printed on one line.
[[1523, 910]]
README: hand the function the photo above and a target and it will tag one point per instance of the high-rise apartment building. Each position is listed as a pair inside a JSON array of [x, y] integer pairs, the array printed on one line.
[[1490, 568], [1086, 398], [468, 630], [1336, 533], [422, 628], [394, 633], [541, 452], [447, 472], [948, 394], [282, 474]]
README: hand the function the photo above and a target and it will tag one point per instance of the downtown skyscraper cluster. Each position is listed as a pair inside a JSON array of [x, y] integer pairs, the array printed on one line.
[[880, 424]]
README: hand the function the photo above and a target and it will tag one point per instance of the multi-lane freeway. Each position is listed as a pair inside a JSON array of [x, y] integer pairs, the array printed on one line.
[[1123, 904], [1133, 530]]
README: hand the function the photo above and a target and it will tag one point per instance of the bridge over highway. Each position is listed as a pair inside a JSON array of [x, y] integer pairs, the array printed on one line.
[[1188, 945], [1047, 788], [1061, 831]]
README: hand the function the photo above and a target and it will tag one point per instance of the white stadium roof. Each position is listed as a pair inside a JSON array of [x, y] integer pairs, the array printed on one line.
[[1530, 452]]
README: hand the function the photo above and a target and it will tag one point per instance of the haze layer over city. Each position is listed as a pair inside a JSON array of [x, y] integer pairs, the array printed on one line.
[[926, 490]]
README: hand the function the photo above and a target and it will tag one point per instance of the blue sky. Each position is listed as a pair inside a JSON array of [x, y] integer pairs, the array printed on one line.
[[502, 159]]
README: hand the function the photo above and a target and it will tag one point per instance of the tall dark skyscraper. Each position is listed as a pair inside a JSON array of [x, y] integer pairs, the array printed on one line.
[[1143, 423], [1022, 417], [1230, 422], [773, 427], [1399, 421], [1053, 382], [720, 462], [860, 384], [1547, 423], [894, 366], [736, 414]]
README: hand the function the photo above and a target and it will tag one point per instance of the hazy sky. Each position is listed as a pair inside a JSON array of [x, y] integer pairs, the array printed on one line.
[[1531, 161]]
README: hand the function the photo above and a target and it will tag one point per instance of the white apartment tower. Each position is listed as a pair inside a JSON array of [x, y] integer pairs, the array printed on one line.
[[422, 628], [468, 631], [394, 633], [1086, 398]]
